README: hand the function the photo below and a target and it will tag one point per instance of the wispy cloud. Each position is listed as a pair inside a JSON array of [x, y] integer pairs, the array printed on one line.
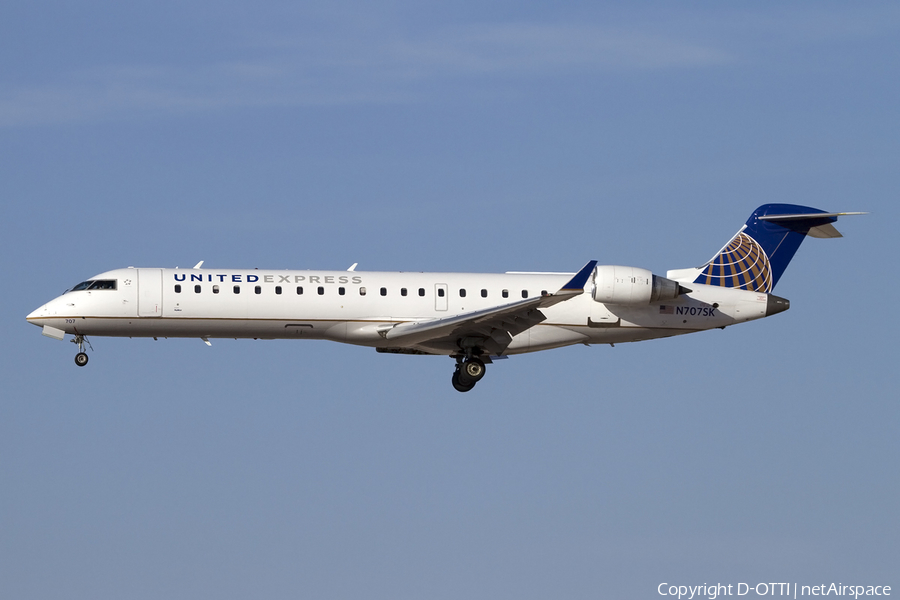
[[372, 68], [336, 58], [528, 48]]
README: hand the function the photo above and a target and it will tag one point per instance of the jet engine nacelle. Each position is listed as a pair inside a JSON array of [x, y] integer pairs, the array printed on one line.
[[631, 285]]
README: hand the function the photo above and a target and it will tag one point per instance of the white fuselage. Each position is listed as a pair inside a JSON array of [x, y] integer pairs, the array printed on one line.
[[354, 306]]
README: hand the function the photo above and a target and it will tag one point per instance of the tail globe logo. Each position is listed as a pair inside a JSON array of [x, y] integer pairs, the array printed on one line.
[[742, 264]]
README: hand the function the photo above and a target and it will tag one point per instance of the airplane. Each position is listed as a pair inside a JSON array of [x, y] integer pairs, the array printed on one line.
[[475, 318]]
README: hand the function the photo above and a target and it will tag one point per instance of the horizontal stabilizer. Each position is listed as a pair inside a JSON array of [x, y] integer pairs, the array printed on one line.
[[805, 216], [819, 224], [825, 231]]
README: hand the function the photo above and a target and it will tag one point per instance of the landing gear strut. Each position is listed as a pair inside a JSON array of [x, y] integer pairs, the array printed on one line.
[[468, 372], [81, 358]]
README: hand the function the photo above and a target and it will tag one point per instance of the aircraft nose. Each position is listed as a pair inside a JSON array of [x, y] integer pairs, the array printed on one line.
[[36, 314], [48, 310]]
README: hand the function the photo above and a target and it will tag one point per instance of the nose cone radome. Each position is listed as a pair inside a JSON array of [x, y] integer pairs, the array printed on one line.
[[47, 311], [36, 314], [776, 304]]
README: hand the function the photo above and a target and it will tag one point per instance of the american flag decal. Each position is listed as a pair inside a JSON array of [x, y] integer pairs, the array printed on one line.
[[666, 310]]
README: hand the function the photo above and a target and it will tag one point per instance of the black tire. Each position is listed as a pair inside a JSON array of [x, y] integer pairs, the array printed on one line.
[[458, 385], [81, 359], [473, 370]]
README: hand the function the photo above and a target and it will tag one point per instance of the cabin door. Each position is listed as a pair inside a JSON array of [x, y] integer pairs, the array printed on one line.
[[149, 292]]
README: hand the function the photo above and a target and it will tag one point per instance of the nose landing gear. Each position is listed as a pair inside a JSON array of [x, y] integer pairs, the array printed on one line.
[[81, 358], [468, 372]]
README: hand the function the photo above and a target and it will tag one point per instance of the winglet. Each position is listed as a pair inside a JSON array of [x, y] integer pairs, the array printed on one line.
[[576, 284]]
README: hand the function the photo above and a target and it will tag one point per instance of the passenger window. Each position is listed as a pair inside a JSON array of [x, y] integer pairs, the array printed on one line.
[[402, 291], [215, 289], [505, 293], [462, 293], [278, 289], [524, 293], [237, 289], [484, 293], [177, 288], [421, 291], [299, 290], [384, 291], [196, 289], [257, 290], [362, 291], [341, 291], [441, 292], [321, 291]]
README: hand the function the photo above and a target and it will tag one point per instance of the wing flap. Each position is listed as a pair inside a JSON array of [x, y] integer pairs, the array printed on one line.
[[474, 322], [495, 326]]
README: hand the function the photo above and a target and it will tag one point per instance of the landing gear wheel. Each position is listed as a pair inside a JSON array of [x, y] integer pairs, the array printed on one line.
[[81, 358], [473, 370], [458, 385]]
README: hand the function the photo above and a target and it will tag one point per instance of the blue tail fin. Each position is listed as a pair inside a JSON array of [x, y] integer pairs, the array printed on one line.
[[758, 254]]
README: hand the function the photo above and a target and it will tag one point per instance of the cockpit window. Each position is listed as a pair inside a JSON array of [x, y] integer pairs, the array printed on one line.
[[95, 284], [81, 286]]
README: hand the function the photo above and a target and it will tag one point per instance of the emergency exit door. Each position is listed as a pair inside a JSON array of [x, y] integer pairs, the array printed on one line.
[[440, 296]]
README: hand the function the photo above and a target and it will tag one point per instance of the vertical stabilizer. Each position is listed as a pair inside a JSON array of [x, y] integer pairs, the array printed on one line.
[[756, 257]]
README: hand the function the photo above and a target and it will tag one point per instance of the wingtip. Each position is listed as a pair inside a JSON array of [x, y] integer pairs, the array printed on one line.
[[576, 284]]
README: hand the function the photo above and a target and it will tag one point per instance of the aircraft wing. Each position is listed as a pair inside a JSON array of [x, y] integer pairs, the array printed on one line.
[[491, 328]]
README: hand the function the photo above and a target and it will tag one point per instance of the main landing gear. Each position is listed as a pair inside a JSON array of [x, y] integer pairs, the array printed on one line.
[[81, 358], [468, 372]]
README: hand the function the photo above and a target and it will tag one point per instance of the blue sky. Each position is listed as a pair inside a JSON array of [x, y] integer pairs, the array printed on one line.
[[455, 137]]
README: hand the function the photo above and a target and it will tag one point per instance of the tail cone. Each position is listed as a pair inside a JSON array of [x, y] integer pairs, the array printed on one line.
[[776, 304]]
